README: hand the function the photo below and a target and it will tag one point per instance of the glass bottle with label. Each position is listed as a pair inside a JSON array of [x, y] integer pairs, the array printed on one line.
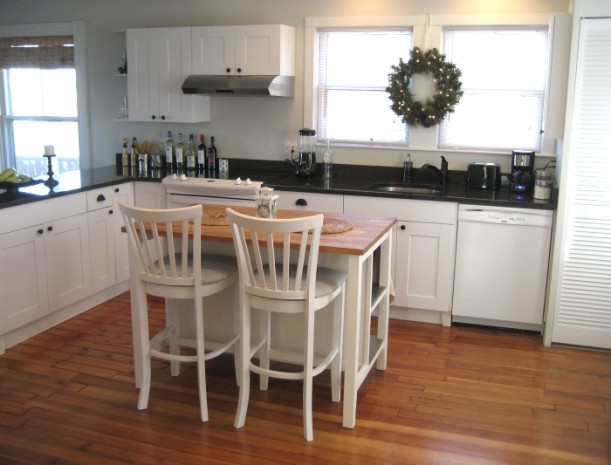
[[201, 154], [169, 153], [190, 155], [180, 153], [212, 157]]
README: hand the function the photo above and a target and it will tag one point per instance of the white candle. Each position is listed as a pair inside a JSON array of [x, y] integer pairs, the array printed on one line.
[[49, 150]]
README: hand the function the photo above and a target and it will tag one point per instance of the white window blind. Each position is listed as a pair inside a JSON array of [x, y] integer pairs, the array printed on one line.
[[504, 77], [353, 68]]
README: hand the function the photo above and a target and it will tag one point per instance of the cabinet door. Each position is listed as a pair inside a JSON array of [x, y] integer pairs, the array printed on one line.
[[213, 50], [143, 80], [23, 278], [159, 60], [424, 266], [150, 195], [124, 192], [257, 49], [68, 263], [102, 239]]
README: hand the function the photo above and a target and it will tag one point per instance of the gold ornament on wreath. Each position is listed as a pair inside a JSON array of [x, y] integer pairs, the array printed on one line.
[[446, 77]]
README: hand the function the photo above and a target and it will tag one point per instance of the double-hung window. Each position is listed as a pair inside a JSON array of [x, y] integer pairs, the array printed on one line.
[[504, 78], [352, 75], [38, 102]]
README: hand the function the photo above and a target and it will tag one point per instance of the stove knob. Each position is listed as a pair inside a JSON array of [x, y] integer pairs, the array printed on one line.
[[174, 176], [238, 181], [248, 182], [183, 177]]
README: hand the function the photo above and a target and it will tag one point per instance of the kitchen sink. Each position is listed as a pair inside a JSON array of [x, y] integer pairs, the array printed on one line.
[[405, 188]]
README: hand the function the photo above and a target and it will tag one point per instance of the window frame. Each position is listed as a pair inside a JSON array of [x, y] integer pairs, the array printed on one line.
[[77, 30], [428, 33]]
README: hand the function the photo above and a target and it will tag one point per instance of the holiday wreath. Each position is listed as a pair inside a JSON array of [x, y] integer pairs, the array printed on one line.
[[446, 77]]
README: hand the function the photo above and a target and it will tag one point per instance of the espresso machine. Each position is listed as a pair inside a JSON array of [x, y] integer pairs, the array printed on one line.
[[522, 171], [305, 160]]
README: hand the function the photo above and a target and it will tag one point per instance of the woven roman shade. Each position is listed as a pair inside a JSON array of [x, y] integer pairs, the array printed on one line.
[[49, 52]]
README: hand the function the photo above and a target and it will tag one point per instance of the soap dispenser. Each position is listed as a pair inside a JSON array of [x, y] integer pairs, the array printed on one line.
[[408, 164]]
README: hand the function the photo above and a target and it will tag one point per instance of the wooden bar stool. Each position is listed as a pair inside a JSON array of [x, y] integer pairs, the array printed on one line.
[[272, 283], [167, 247]]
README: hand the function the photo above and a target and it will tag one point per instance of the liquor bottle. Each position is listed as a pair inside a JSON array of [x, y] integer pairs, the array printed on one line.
[[133, 158], [125, 154], [190, 155], [211, 159], [169, 153], [180, 153], [201, 154]]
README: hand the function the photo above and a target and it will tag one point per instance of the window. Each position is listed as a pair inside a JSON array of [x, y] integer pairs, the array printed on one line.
[[39, 104], [352, 75], [504, 77]]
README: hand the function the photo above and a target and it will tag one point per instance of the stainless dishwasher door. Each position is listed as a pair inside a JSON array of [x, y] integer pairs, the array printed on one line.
[[502, 258]]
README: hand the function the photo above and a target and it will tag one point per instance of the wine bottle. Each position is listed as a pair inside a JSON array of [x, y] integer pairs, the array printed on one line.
[[125, 154], [169, 153], [212, 160], [201, 154], [190, 155], [180, 153], [133, 158]]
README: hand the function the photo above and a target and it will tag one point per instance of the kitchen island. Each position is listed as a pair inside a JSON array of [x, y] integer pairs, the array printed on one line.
[[367, 290]]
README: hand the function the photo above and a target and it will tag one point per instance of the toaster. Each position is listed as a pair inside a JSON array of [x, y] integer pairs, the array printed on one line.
[[486, 176]]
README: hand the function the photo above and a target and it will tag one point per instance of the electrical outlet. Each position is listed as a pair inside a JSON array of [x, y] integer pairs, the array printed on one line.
[[290, 147]]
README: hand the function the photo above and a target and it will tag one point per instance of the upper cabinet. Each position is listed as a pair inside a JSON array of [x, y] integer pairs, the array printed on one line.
[[159, 59], [265, 50]]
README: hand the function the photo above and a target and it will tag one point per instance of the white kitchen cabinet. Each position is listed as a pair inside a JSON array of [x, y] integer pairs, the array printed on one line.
[[159, 60], [109, 254], [45, 265], [307, 201], [150, 195], [248, 50], [423, 268]]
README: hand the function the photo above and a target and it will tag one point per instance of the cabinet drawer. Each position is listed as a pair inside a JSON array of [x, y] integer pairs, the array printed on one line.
[[307, 201], [44, 211], [107, 196], [426, 211]]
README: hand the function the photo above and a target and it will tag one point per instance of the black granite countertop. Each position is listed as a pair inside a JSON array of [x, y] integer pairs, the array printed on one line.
[[345, 180]]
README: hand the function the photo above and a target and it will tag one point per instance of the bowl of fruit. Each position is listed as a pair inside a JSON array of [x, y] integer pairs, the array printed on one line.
[[12, 181]]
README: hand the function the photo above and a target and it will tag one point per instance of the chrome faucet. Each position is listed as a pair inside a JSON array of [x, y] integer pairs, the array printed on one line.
[[442, 174]]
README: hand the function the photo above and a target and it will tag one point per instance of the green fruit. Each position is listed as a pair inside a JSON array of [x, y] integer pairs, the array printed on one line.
[[24, 178], [7, 173], [14, 179]]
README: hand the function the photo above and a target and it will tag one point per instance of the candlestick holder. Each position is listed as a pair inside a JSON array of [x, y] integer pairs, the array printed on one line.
[[50, 182]]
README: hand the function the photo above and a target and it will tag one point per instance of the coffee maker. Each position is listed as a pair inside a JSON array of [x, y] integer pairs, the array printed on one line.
[[522, 171]]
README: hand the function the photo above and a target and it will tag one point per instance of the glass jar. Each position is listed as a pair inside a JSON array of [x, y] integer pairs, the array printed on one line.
[[544, 182]]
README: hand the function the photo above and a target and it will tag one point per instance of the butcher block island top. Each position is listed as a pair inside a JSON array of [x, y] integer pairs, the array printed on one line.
[[362, 231]]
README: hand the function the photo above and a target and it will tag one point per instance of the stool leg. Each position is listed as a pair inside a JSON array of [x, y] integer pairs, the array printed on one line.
[[172, 318], [265, 330], [142, 327], [201, 353], [308, 375], [244, 362]]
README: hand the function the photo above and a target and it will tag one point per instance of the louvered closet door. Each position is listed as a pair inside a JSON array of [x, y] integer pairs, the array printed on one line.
[[583, 306]]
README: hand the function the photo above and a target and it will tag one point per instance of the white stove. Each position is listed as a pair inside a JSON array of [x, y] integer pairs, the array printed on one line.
[[183, 190]]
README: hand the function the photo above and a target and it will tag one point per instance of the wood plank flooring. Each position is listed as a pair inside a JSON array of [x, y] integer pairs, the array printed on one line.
[[455, 396]]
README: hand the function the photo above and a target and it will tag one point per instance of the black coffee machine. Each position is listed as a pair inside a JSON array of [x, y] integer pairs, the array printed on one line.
[[522, 171]]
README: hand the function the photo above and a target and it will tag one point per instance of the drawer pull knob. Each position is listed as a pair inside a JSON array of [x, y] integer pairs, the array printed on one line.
[[403, 227], [110, 212], [49, 228], [301, 202], [101, 198], [40, 231]]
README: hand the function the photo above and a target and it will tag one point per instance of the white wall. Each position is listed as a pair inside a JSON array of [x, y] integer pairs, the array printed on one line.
[[243, 127]]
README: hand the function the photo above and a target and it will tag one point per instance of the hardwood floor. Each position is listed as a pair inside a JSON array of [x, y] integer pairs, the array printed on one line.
[[455, 395]]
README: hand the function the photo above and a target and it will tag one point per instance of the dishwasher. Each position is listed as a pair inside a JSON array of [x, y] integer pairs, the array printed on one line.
[[502, 257]]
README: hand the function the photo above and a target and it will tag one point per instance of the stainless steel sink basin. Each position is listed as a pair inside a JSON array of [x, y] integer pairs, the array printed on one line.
[[403, 188]]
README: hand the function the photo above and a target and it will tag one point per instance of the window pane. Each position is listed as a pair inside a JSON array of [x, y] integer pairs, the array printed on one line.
[[353, 68], [31, 137], [504, 76], [37, 92], [359, 115], [491, 120]]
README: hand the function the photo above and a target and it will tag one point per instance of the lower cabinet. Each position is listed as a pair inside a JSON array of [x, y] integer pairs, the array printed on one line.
[[109, 254], [425, 241], [150, 195], [46, 266]]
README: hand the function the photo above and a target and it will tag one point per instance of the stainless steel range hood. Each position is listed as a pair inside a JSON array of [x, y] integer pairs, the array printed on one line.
[[240, 86]]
